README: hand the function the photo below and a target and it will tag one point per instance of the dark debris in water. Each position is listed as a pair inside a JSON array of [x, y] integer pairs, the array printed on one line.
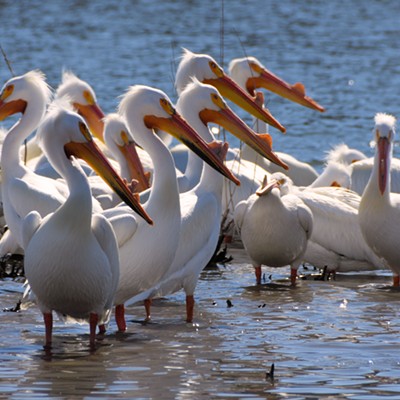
[[13, 309], [229, 303], [12, 266], [219, 256], [270, 375]]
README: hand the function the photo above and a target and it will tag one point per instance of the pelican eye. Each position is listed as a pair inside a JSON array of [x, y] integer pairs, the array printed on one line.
[[88, 97], [7, 92], [218, 101], [167, 107], [85, 131], [216, 69], [125, 137], [255, 67]]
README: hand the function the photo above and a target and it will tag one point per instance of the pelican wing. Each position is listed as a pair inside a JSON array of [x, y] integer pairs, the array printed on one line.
[[240, 212], [30, 225], [41, 201], [124, 226], [104, 233]]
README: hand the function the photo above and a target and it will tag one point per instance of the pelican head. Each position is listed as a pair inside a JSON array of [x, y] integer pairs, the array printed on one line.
[[17, 92], [384, 132], [284, 183], [119, 140], [344, 154], [155, 109], [64, 133], [250, 74], [206, 70], [214, 109], [83, 98]]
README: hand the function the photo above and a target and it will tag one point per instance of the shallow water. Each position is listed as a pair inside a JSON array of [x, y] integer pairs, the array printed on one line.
[[336, 339]]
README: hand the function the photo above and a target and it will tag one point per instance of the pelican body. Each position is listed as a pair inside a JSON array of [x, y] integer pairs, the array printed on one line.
[[147, 252], [274, 229], [71, 255], [379, 214]]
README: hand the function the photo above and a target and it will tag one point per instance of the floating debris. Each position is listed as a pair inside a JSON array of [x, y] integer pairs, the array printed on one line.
[[270, 375], [14, 309], [229, 303]]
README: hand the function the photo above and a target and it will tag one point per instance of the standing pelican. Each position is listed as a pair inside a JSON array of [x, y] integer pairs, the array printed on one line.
[[22, 189], [201, 210], [146, 254], [379, 214], [206, 70], [71, 256], [274, 228]]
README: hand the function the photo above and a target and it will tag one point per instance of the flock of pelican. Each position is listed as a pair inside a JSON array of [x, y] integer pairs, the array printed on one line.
[[107, 214]]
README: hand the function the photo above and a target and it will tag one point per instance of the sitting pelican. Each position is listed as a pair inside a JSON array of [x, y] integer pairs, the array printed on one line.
[[336, 241], [379, 214], [71, 255]]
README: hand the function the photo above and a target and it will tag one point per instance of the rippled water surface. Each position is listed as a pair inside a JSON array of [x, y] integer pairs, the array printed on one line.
[[336, 339]]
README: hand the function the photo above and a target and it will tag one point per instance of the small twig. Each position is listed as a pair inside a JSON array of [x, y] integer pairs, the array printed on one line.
[[7, 60]]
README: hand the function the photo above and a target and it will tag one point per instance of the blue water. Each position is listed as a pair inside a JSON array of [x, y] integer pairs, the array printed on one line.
[[345, 52], [337, 339]]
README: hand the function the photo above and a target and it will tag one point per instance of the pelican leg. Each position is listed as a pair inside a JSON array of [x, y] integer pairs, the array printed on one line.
[[93, 320], [147, 306], [102, 329], [258, 272], [120, 317], [189, 307], [48, 324], [293, 276], [396, 280]]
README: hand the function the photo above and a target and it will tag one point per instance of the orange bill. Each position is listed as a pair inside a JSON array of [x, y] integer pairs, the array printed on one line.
[[91, 153]]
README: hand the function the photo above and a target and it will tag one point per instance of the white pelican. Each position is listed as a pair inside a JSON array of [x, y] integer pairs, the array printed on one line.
[[344, 154], [336, 241], [274, 228], [23, 190], [250, 74], [84, 101], [123, 149], [379, 213], [147, 252], [352, 169], [206, 70], [71, 256], [201, 206]]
